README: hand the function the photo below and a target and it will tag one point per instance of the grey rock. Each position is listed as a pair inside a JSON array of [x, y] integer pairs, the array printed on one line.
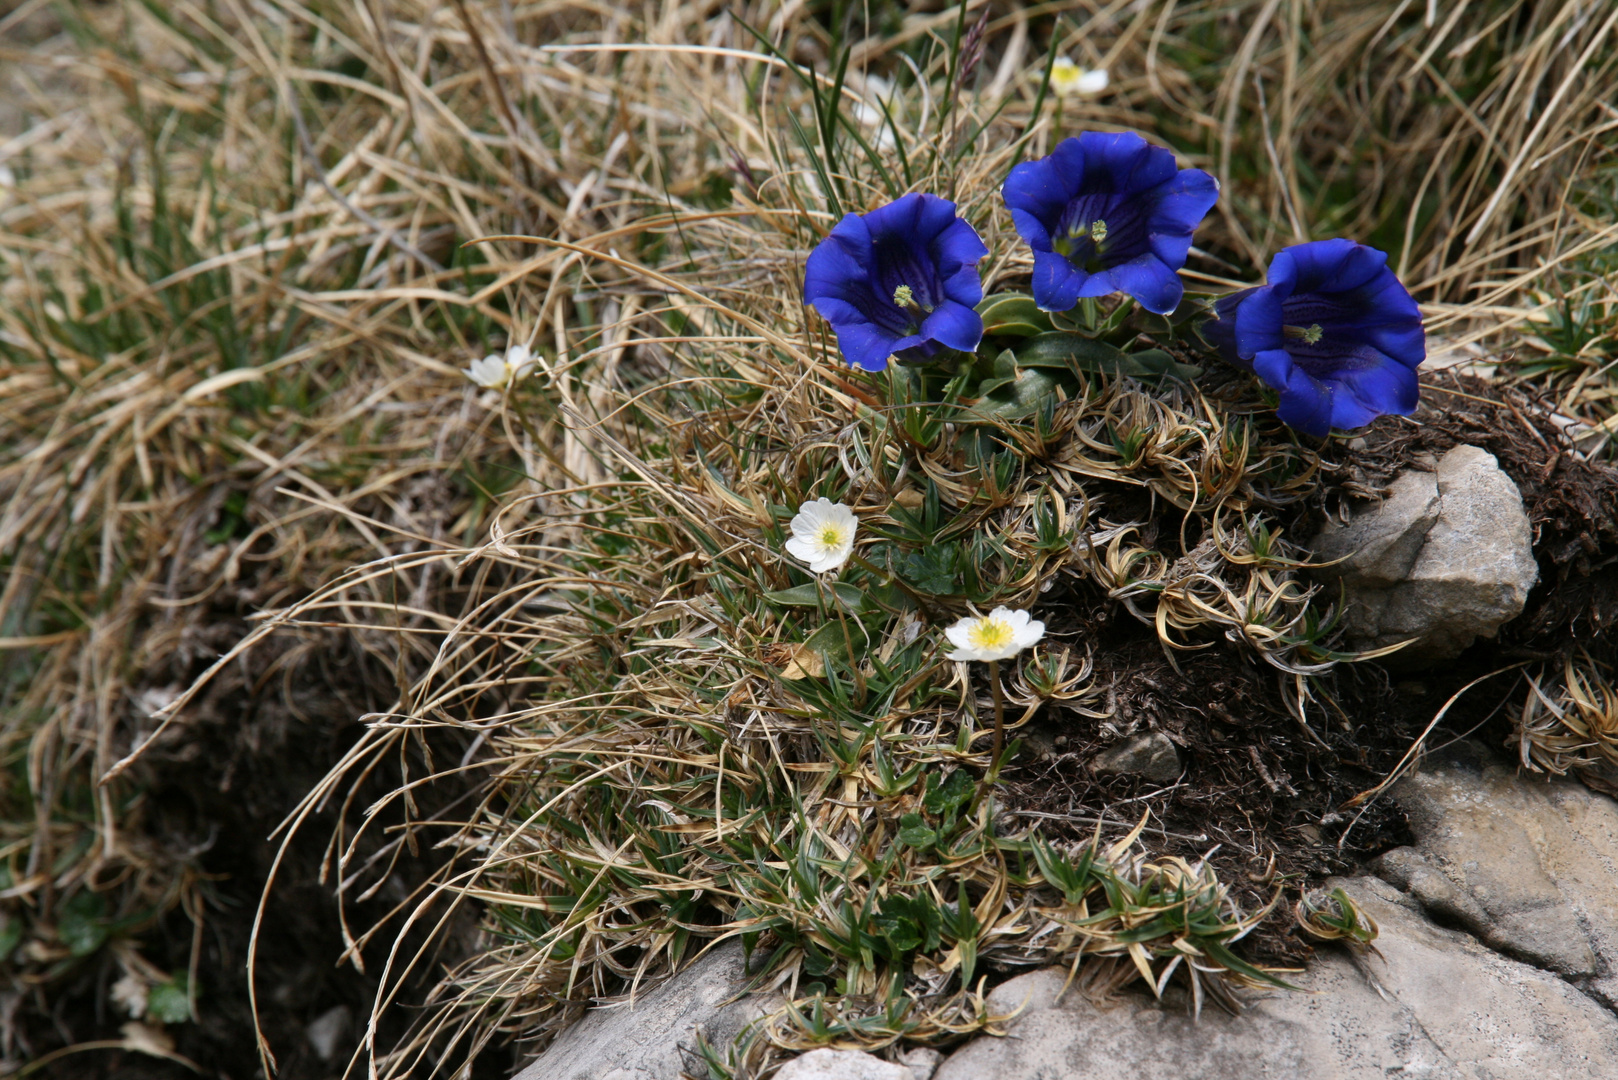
[[922, 1062], [644, 1040], [1445, 559], [1151, 756], [1378, 549], [829, 1064], [1437, 1005], [1532, 864], [328, 1030]]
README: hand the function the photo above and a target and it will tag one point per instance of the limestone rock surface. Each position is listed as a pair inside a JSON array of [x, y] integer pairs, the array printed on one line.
[[1151, 756], [644, 1041], [828, 1064], [1437, 1005], [1528, 865], [1445, 559]]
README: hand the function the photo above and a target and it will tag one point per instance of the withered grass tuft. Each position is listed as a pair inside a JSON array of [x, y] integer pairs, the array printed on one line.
[[238, 279]]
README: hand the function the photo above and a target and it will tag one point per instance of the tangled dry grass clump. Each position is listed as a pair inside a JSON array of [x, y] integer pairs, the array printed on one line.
[[237, 286]]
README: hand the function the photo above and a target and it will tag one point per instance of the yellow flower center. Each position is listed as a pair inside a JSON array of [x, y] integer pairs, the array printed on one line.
[[1065, 75], [831, 535], [990, 634], [1310, 335]]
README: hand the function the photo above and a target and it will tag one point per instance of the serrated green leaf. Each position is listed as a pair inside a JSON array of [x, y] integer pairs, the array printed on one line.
[[169, 1001], [950, 796], [934, 570], [916, 832]]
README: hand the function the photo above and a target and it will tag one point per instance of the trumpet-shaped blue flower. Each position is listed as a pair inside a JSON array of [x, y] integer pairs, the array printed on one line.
[[902, 279], [1108, 213], [1333, 330]]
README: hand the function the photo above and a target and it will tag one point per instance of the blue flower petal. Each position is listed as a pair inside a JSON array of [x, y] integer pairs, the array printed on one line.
[[1259, 319], [1100, 283], [1380, 386], [1326, 266], [1056, 282], [1306, 404], [865, 345], [834, 262], [1275, 367], [1124, 162], [918, 242], [897, 219], [1031, 229], [1178, 207], [1037, 189], [1391, 320], [1153, 285], [955, 325], [935, 215], [1149, 205], [958, 250]]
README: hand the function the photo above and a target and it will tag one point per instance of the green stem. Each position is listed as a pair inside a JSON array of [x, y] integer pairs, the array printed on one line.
[[999, 720]]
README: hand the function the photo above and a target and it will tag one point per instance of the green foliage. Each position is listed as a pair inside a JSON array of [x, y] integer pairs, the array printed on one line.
[[169, 1002], [82, 923]]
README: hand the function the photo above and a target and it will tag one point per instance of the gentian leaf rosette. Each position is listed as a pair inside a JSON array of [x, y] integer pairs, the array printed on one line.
[[1108, 213], [900, 280], [1333, 329]]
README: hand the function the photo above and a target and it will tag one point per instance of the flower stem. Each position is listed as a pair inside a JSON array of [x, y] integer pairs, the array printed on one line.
[[999, 720]]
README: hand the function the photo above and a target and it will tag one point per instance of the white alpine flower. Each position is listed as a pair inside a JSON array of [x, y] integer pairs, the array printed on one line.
[[823, 535], [1069, 79], [490, 372], [519, 361], [999, 635], [494, 371]]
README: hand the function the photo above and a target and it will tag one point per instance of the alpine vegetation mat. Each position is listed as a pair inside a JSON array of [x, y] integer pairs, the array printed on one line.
[[858, 470]]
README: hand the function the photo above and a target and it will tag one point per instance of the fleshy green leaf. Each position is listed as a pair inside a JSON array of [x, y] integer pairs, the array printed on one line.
[[1013, 315], [816, 593]]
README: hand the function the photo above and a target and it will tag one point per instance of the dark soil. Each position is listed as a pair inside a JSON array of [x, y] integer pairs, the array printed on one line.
[[213, 790], [1261, 797]]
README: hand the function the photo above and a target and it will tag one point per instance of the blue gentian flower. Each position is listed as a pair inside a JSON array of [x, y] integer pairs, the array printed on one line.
[[902, 279], [1105, 214], [1333, 330]]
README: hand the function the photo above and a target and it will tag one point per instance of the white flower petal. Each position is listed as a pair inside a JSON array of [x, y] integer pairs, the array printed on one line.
[[1093, 82], [823, 535], [490, 372], [1016, 632], [519, 361]]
